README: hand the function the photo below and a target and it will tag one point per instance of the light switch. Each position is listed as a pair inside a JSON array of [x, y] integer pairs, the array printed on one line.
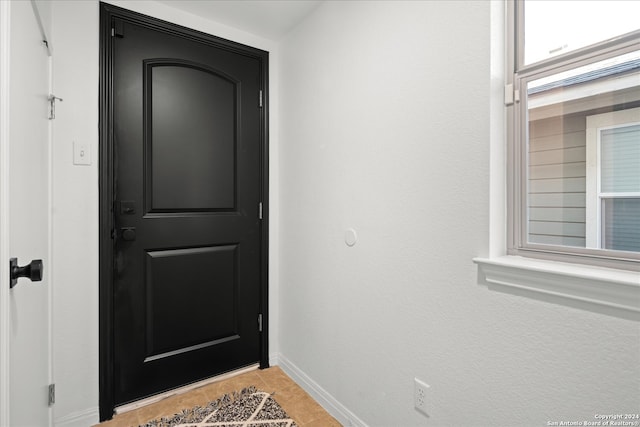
[[81, 153]]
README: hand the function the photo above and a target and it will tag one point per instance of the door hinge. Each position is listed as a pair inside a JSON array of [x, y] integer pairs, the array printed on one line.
[[117, 30], [260, 322], [260, 99], [260, 210], [52, 394], [511, 95]]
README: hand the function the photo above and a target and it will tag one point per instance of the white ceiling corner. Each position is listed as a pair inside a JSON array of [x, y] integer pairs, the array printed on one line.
[[270, 19]]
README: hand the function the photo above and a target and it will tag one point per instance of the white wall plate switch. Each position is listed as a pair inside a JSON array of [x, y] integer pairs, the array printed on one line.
[[81, 153]]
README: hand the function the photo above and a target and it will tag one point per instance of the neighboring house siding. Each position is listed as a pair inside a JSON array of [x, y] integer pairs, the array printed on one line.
[[557, 171]]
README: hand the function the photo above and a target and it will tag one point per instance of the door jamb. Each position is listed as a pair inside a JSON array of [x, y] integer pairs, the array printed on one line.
[[109, 12]]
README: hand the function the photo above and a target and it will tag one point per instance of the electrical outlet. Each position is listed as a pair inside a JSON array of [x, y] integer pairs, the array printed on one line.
[[420, 396]]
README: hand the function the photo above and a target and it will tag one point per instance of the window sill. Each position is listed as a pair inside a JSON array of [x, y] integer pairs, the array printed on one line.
[[602, 290]]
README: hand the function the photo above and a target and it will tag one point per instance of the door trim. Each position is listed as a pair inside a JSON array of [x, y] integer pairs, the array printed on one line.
[[106, 320]]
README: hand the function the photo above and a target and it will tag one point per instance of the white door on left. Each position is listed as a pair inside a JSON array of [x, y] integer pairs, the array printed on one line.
[[25, 346]]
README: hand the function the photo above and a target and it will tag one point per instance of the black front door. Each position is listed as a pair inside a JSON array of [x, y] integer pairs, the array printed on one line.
[[187, 178]]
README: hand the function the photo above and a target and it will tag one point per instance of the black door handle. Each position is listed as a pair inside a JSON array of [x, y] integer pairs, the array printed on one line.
[[32, 271]]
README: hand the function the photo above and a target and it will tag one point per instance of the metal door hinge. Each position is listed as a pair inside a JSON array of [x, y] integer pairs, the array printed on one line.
[[260, 210], [52, 106], [52, 394], [260, 100], [511, 95], [117, 30], [260, 322]]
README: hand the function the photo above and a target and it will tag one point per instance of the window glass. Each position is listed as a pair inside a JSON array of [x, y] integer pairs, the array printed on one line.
[[620, 160], [556, 27], [562, 207], [575, 131], [621, 224]]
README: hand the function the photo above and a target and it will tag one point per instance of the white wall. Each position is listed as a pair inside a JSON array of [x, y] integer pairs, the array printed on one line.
[[75, 211], [385, 114], [384, 125]]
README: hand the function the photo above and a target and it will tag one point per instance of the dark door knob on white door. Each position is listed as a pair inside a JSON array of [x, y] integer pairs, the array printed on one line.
[[32, 271]]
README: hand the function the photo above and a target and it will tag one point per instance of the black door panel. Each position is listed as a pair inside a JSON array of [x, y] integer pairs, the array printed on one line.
[[187, 184]]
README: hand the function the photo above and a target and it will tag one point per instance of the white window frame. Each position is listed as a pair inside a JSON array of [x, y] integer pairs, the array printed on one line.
[[518, 75], [595, 125], [560, 280]]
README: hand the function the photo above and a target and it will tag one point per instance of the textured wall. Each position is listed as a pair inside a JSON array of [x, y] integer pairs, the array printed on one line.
[[385, 128], [75, 211]]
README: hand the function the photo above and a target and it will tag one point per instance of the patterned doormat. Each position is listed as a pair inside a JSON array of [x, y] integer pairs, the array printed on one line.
[[246, 408]]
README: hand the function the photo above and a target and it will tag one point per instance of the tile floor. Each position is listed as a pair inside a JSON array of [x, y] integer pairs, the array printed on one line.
[[293, 399]]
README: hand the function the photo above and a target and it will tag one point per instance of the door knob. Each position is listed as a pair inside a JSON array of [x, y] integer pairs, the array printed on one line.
[[32, 271], [128, 234]]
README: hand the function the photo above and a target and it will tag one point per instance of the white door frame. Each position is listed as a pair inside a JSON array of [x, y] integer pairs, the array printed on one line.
[[5, 31]]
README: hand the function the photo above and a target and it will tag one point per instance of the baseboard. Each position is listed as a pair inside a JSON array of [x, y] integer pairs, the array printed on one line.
[[274, 359], [326, 400], [87, 417]]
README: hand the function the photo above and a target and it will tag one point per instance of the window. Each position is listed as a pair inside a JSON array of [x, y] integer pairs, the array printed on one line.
[[613, 180], [573, 99]]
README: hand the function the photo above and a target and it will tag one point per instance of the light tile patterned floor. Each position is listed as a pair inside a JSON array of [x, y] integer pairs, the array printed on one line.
[[293, 399]]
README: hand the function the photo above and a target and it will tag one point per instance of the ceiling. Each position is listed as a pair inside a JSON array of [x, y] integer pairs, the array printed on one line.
[[270, 19]]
